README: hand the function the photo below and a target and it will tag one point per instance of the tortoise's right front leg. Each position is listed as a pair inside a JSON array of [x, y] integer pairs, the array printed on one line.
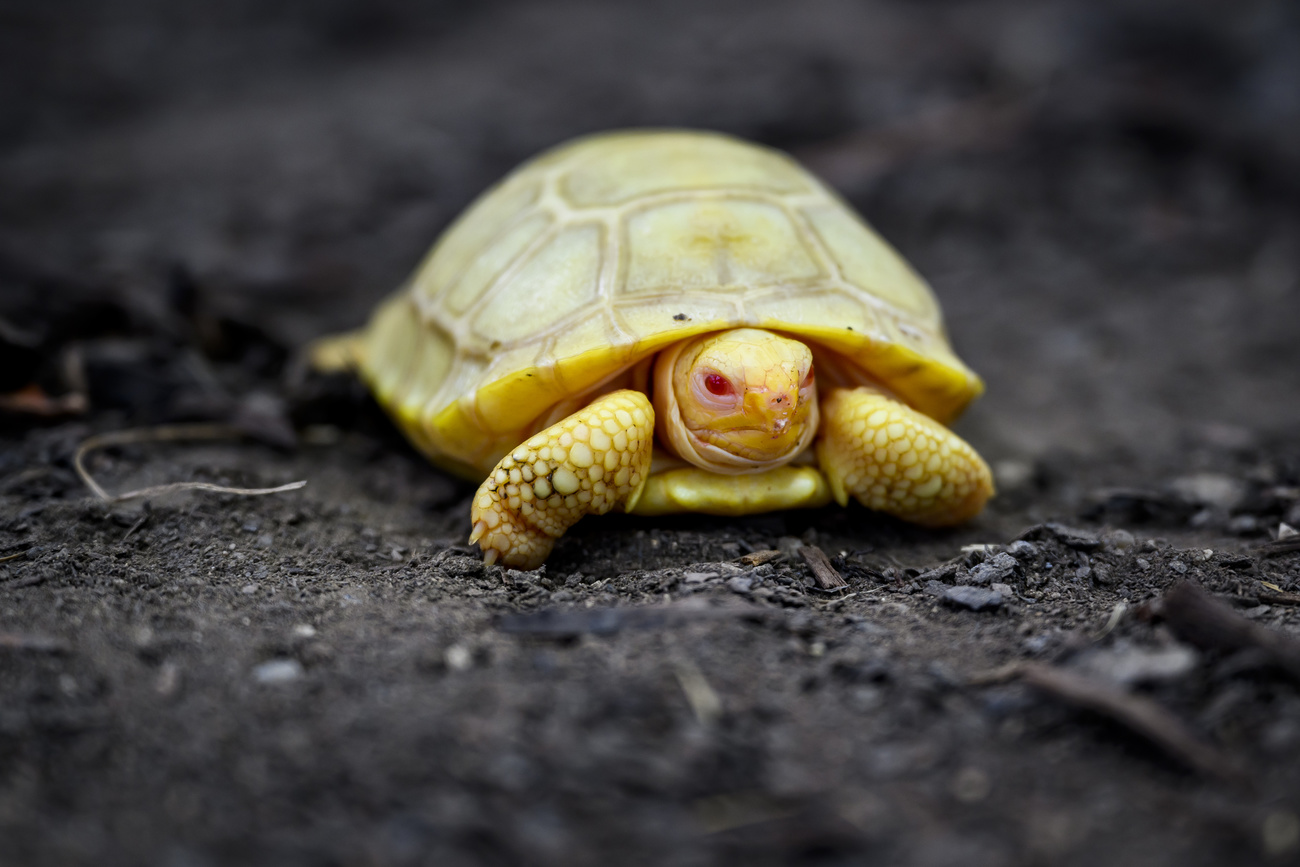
[[587, 464]]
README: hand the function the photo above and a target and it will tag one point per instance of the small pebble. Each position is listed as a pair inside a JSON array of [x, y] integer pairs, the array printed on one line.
[[248, 589], [168, 680], [1281, 832], [1012, 475], [278, 671], [740, 584], [1022, 550], [999, 568], [974, 598], [1210, 489], [458, 657], [1119, 540], [1244, 525]]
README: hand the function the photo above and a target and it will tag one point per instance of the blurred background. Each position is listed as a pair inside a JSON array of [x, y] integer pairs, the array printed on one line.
[[1105, 195]]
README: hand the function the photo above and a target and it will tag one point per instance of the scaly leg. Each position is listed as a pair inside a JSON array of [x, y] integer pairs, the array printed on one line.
[[894, 459], [587, 464]]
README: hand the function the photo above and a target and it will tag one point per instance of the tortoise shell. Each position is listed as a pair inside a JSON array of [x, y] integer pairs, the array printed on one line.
[[600, 252]]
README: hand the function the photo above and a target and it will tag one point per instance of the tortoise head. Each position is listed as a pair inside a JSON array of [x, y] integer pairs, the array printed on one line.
[[737, 401]]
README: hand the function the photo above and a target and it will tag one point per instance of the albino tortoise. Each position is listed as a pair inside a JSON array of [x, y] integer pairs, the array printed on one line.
[[633, 320]]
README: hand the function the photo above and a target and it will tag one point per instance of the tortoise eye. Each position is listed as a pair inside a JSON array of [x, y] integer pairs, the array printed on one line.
[[718, 384], [807, 380]]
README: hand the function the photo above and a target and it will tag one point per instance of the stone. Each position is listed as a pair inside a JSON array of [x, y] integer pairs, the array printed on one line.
[[972, 598], [999, 568], [1022, 550], [1210, 489], [740, 584], [277, 671]]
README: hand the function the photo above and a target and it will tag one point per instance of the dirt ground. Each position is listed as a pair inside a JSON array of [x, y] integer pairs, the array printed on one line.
[[1106, 198]]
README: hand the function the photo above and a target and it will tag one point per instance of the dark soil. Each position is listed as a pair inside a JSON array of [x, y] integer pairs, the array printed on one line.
[[1105, 196]]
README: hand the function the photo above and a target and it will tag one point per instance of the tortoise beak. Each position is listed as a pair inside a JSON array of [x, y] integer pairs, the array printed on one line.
[[773, 412]]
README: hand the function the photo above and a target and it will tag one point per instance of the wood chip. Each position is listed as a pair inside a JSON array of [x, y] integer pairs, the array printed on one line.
[[1289, 545], [1279, 598], [1138, 713], [1197, 618], [823, 572], [758, 558]]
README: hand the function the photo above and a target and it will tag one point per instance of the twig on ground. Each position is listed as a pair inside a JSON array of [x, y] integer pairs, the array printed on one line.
[[1195, 617], [1281, 597], [700, 695], [144, 519], [823, 572], [1289, 545], [1138, 713], [1116, 614], [166, 433], [758, 558]]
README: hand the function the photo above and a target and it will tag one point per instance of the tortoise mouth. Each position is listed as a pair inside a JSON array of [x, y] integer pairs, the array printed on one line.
[[757, 442], [762, 458]]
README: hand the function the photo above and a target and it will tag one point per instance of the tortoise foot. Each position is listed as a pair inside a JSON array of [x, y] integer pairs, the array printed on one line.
[[587, 464], [893, 459]]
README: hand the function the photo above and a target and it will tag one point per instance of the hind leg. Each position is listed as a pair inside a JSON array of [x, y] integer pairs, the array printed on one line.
[[891, 458], [589, 463]]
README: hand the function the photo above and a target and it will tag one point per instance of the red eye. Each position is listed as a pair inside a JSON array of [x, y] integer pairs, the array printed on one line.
[[717, 384], [807, 380]]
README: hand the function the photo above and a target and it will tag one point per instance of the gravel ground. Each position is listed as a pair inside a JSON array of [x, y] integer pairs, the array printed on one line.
[[1102, 668]]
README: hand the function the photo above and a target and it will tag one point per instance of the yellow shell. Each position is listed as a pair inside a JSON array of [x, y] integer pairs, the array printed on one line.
[[602, 251]]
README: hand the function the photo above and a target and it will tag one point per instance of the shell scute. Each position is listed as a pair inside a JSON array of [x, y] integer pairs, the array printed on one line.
[[479, 276], [714, 244], [559, 279], [856, 250], [466, 239]]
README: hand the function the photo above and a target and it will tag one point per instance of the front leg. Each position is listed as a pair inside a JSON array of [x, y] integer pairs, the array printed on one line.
[[587, 464], [894, 459]]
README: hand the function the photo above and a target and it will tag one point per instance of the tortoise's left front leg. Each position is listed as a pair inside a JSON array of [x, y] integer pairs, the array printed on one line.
[[894, 459], [587, 464]]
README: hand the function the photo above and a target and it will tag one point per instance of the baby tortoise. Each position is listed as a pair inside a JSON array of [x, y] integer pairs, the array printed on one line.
[[670, 321]]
